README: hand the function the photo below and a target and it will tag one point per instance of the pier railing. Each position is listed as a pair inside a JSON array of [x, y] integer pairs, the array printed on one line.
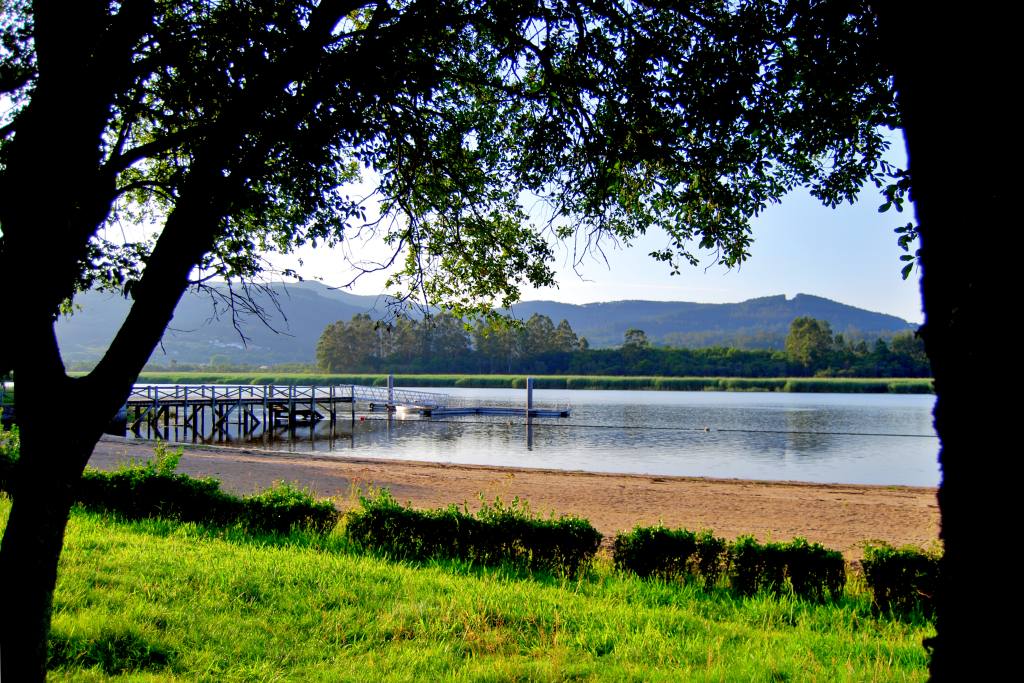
[[270, 393], [401, 397]]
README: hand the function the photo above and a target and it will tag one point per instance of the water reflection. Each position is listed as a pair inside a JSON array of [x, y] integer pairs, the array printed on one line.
[[807, 437]]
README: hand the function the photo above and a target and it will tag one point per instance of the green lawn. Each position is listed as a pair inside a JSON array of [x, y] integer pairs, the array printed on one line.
[[156, 600]]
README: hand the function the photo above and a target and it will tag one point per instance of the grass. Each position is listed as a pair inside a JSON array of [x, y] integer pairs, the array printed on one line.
[[786, 384], [161, 601]]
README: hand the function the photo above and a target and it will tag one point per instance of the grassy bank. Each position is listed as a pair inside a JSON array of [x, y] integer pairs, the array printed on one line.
[[786, 384], [156, 600]]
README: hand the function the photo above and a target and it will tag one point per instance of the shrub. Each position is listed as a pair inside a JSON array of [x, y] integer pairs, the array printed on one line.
[[497, 533], [754, 566], [810, 570], [814, 571], [710, 556], [154, 489], [669, 554], [654, 551], [285, 506], [902, 580]]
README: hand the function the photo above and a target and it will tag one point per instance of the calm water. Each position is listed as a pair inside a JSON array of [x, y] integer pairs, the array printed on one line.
[[849, 438]]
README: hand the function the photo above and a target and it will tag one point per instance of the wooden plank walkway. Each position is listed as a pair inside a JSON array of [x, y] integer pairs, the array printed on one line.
[[153, 406], [252, 405]]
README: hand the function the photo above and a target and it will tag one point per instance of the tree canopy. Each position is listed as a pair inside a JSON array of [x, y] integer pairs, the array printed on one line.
[[233, 128], [809, 340], [240, 127]]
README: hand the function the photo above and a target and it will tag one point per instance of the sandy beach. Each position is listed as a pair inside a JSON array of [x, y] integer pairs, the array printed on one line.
[[839, 516]]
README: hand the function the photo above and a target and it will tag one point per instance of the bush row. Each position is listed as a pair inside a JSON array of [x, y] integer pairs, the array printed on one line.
[[153, 489], [901, 580], [807, 569], [496, 534]]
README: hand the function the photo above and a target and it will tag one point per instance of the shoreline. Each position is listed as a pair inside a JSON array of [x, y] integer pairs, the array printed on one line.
[[840, 516], [786, 384]]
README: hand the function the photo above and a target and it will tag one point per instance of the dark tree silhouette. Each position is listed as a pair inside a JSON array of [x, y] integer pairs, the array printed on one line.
[[233, 128]]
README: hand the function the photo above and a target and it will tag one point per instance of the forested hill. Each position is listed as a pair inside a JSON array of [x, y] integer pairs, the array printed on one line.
[[198, 336], [202, 329], [757, 323]]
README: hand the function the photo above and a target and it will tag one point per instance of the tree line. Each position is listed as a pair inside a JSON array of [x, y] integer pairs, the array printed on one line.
[[444, 343]]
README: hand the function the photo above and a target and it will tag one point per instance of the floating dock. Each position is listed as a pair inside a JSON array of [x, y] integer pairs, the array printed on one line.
[[493, 410]]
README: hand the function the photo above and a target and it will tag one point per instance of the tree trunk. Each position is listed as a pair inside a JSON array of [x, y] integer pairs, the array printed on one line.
[[44, 491], [950, 82], [49, 470]]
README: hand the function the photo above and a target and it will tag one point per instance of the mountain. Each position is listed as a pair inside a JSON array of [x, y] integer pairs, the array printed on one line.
[[202, 329], [756, 323]]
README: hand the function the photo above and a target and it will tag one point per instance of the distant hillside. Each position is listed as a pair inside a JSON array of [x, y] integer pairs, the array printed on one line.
[[757, 323], [201, 332]]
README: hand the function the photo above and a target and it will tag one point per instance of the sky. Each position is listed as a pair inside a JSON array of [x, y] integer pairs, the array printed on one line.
[[848, 254]]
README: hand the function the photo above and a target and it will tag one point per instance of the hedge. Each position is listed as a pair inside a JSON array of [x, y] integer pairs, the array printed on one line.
[[902, 580], [670, 554], [496, 534], [153, 489], [809, 570]]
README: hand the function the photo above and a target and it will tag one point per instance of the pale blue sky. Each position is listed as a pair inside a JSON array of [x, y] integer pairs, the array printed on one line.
[[848, 254]]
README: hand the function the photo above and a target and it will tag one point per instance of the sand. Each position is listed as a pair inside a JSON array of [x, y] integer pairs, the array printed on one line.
[[839, 516]]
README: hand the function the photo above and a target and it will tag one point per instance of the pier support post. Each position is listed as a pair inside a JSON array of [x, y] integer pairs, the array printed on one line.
[[267, 424], [312, 409], [391, 391], [334, 407], [529, 396], [291, 410]]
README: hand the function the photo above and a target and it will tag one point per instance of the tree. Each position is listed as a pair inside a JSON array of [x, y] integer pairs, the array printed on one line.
[[809, 342], [234, 127], [350, 347], [565, 340], [909, 349], [538, 335], [634, 340], [447, 342], [953, 189], [404, 344], [495, 342]]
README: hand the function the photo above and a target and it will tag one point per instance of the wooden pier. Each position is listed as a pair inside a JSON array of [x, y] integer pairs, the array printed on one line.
[[210, 409]]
